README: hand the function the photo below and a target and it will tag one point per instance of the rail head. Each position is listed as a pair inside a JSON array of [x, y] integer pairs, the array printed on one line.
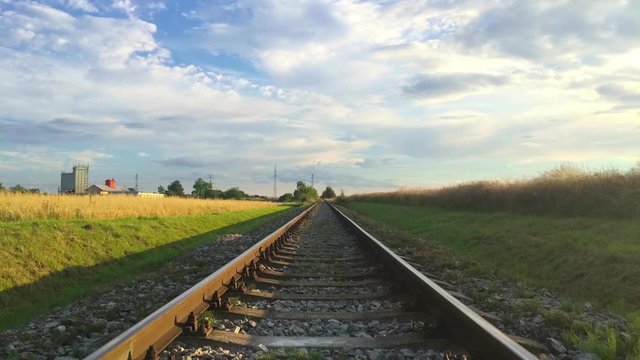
[[162, 326], [473, 331]]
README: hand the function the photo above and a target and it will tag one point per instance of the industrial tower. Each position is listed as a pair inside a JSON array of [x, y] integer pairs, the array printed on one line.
[[75, 182]]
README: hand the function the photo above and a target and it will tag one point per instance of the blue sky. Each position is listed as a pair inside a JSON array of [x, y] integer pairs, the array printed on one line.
[[366, 95]]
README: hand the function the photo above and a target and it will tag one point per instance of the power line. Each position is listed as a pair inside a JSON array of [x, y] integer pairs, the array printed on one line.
[[275, 181]]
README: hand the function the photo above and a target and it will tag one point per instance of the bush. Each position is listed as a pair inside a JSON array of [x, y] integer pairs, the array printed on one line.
[[328, 193], [234, 193], [304, 193]]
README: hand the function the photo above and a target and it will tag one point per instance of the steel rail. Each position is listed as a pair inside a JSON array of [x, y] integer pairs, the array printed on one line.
[[156, 331], [475, 334]]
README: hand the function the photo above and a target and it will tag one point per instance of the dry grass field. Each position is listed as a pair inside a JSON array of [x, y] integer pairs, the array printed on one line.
[[563, 191], [16, 206]]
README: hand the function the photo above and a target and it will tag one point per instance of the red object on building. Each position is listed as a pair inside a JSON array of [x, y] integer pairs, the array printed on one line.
[[110, 183]]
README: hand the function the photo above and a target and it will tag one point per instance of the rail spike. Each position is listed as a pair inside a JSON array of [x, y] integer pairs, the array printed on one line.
[[216, 301], [151, 354], [253, 271], [237, 286], [191, 325]]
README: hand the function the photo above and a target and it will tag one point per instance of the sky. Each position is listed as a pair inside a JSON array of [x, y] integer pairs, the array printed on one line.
[[365, 95]]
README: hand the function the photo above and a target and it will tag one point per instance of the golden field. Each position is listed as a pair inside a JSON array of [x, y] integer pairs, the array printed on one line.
[[563, 191], [20, 206]]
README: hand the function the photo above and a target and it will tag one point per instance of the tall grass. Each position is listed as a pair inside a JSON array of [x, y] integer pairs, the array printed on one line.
[[19, 206], [564, 191]]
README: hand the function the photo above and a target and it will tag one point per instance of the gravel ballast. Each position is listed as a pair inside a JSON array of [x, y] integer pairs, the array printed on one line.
[[75, 330]]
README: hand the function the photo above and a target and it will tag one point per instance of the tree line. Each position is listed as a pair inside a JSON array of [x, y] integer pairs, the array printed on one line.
[[205, 190], [305, 193], [19, 189]]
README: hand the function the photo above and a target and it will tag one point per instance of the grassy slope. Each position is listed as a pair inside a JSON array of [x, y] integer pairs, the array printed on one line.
[[52, 262], [586, 259]]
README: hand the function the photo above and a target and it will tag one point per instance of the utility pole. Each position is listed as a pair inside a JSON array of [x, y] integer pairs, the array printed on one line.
[[275, 181], [136, 182]]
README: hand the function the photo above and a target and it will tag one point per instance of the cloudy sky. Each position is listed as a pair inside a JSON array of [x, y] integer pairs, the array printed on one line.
[[366, 95]]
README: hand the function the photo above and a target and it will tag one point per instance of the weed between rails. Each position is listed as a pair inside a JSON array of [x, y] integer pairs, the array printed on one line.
[[208, 318], [291, 353]]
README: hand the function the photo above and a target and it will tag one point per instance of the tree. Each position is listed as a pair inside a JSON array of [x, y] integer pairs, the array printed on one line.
[[328, 193], [161, 189], [288, 197], [341, 198], [1, 187], [201, 188], [305, 193], [234, 193], [175, 189], [213, 194], [18, 189]]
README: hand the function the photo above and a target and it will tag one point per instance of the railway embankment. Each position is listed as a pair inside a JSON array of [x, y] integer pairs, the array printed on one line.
[[567, 280], [51, 262]]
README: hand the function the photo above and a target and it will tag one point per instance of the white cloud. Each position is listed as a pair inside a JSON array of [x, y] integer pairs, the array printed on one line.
[[118, 88], [341, 85], [34, 159], [156, 5], [563, 33], [52, 33], [86, 156], [124, 5], [84, 5]]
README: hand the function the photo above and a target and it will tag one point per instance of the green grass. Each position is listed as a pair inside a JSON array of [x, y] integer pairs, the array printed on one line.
[[594, 260], [583, 259], [48, 263]]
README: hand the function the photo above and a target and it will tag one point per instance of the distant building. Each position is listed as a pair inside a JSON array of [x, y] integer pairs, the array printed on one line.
[[75, 182], [148, 194], [110, 187]]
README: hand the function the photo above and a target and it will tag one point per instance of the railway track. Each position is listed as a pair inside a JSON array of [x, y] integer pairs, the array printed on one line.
[[322, 284]]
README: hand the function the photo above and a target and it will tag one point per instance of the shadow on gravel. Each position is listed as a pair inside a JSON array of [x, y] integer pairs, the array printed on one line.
[[22, 303]]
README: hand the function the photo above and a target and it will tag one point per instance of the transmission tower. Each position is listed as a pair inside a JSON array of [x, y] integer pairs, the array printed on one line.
[[275, 181], [312, 180], [136, 182], [211, 181]]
